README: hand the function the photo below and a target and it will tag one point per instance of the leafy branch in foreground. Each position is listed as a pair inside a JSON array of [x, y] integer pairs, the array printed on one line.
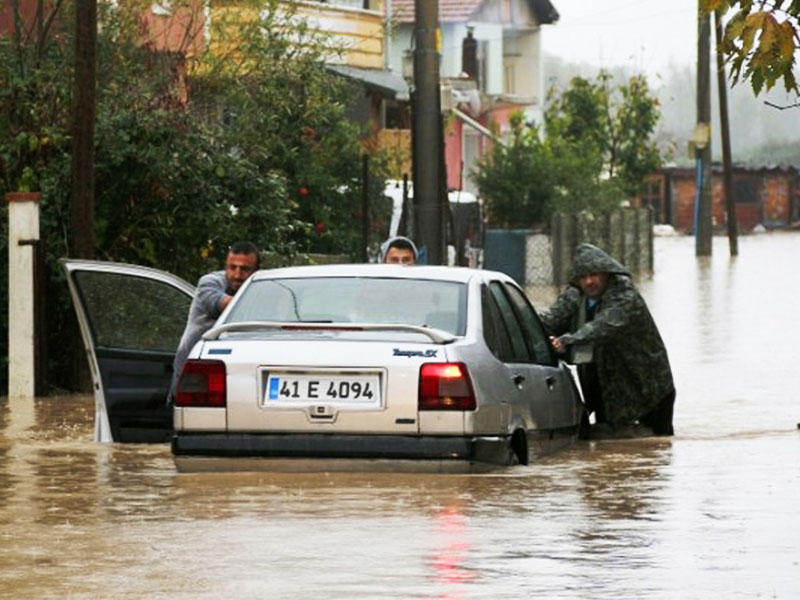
[[594, 152], [761, 41]]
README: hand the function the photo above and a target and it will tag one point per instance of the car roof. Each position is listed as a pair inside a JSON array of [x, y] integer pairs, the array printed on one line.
[[456, 274]]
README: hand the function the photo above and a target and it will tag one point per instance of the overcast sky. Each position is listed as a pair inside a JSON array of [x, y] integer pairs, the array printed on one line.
[[645, 34]]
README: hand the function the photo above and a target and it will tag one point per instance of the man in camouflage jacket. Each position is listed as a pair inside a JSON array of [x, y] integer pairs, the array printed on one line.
[[629, 379]]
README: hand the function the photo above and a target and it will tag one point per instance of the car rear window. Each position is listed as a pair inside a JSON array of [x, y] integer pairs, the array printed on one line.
[[438, 304]]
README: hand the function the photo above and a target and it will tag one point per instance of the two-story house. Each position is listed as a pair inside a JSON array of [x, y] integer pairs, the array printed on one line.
[[509, 78], [356, 30]]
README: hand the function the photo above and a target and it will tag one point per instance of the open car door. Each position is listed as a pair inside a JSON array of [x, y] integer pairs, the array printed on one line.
[[131, 320]]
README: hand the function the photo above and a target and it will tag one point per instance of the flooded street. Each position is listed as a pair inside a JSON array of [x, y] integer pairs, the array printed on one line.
[[713, 512]]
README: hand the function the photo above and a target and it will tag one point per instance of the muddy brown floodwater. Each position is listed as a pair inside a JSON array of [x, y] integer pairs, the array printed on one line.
[[711, 513]]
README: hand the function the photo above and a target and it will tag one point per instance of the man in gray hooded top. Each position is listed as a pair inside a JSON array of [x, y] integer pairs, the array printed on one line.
[[629, 379], [399, 250]]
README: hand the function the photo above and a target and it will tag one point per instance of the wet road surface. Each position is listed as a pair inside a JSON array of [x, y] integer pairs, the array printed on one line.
[[712, 512]]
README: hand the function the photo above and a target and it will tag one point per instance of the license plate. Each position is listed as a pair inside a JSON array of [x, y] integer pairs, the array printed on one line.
[[311, 387]]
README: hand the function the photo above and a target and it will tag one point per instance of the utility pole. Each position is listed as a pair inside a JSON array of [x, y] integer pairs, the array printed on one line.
[[426, 132], [365, 224], [703, 136], [81, 222], [727, 163], [81, 239]]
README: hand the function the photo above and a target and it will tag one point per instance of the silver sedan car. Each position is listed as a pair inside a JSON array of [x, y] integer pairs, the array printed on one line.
[[376, 361], [436, 365]]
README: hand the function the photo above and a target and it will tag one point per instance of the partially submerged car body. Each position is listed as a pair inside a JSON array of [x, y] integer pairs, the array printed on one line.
[[456, 363], [438, 364]]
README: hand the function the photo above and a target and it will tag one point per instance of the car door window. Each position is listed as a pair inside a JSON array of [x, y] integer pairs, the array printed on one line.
[[518, 346], [133, 312], [534, 330], [494, 332]]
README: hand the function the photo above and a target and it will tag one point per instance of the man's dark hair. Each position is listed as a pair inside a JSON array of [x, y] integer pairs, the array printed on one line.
[[402, 244], [245, 247]]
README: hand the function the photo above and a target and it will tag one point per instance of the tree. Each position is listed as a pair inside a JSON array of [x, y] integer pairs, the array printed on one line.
[[761, 41], [516, 180], [618, 123], [285, 112], [594, 151], [528, 178], [262, 148]]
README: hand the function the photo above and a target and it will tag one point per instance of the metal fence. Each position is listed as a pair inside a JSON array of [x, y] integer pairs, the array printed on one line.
[[544, 257]]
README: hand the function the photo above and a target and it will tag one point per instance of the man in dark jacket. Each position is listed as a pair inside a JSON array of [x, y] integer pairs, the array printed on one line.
[[628, 381]]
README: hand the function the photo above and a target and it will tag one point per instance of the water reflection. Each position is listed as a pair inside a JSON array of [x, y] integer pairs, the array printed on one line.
[[711, 512], [625, 480], [448, 560]]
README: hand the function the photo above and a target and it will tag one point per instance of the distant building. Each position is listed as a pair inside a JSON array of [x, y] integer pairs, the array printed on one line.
[[356, 28], [164, 29], [496, 72], [176, 33], [768, 196]]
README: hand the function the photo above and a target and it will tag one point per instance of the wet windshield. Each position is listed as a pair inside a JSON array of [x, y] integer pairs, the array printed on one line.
[[438, 304]]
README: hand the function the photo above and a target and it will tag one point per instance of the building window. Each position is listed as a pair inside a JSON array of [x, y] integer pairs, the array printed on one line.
[[509, 83], [365, 4]]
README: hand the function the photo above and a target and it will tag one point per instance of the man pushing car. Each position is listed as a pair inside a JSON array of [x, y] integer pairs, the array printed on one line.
[[628, 382], [214, 291]]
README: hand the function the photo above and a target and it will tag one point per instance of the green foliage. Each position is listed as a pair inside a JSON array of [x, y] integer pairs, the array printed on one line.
[[761, 41], [526, 179], [262, 150], [289, 115], [595, 150], [34, 112], [617, 122], [513, 179]]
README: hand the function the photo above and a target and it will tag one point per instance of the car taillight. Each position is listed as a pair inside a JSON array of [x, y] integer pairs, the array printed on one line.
[[202, 383], [445, 386]]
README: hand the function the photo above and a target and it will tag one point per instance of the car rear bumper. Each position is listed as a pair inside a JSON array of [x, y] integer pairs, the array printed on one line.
[[482, 449]]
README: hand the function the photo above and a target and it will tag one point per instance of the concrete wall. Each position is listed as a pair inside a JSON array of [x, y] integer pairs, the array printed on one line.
[[358, 32]]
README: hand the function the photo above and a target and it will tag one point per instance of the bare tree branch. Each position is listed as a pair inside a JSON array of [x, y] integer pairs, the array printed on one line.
[[45, 29], [795, 105], [18, 35]]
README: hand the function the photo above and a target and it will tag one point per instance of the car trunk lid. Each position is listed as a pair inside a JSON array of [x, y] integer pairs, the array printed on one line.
[[324, 383]]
